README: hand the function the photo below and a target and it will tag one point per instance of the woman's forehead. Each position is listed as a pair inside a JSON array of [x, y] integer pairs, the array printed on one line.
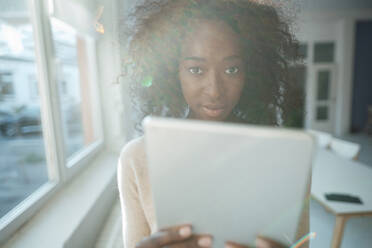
[[211, 38]]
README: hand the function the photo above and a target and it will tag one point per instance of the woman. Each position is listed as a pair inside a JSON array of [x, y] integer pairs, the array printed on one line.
[[217, 60]]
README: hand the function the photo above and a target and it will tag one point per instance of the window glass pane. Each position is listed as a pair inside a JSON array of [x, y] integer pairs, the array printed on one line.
[[323, 85], [322, 113], [22, 164], [6, 84], [324, 52], [75, 85], [302, 50]]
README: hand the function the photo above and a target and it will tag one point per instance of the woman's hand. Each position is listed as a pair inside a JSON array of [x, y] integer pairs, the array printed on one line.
[[176, 237], [261, 242]]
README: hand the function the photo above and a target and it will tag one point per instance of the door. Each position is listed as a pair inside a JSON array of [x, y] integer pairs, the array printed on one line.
[[324, 97], [362, 83]]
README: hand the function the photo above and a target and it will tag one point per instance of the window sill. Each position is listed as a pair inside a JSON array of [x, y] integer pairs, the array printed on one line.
[[75, 215]]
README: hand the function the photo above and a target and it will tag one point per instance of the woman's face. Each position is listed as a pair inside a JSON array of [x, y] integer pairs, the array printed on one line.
[[211, 70]]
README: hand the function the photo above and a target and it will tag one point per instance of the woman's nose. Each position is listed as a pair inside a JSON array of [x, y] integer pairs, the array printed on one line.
[[214, 86]]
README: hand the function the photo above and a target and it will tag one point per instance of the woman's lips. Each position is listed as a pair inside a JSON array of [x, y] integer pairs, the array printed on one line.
[[213, 111]]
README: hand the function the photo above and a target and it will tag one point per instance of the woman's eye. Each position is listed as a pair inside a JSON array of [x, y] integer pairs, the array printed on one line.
[[232, 70], [195, 70]]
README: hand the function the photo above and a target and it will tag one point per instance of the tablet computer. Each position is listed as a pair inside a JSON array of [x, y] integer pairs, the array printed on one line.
[[232, 181]]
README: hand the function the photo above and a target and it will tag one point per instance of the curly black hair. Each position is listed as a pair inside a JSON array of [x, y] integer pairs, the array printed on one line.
[[271, 94]]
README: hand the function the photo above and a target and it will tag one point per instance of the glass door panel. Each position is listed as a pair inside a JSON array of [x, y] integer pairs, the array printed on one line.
[[324, 97]]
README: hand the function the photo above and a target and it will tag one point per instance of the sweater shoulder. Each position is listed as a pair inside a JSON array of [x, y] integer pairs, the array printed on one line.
[[133, 154]]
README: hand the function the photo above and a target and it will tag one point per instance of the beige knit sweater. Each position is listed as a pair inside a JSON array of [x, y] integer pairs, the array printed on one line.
[[138, 213]]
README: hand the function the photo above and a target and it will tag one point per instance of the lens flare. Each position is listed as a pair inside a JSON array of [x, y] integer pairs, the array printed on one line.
[[304, 239], [147, 81]]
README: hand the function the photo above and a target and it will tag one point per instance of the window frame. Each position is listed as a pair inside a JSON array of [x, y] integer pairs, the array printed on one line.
[[60, 170], [74, 163]]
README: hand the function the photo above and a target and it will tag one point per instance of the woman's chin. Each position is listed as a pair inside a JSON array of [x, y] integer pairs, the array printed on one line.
[[221, 117]]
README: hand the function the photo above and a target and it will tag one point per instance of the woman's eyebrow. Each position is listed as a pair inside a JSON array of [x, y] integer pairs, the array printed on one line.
[[195, 58]]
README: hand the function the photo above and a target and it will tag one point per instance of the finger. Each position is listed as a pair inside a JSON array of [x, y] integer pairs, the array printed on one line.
[[186, 225], [166, 236], [231, 244], [263, 242], [195, 241], [203, 240]]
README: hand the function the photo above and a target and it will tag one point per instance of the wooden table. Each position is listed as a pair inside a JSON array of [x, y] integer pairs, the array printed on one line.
[[334, 174]]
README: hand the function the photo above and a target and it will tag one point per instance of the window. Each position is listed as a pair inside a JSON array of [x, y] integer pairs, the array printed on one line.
[[298, 71], [49, 109], [323, 85], [322, 113], [75, 84], [324, 52], [23, 162], [32, 82], [302, 50], [324, 55], [6, 85]]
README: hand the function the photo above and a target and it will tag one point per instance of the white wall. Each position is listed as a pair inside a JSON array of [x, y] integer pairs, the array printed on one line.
[[78, 13], [332, 5], [114, 96]]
